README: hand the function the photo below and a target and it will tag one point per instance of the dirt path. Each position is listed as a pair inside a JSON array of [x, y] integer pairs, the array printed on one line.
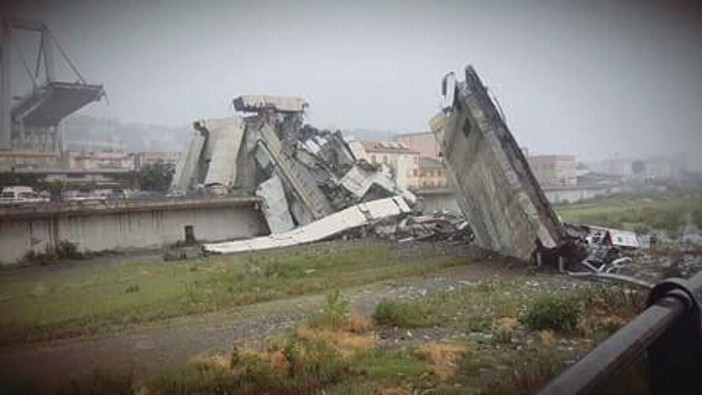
[[167, 345]]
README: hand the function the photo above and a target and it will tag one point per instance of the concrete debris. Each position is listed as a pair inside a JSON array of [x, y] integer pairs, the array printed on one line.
[[495, 188], [439, 226], [275, 207], [256, 103], [303, 174], [223, 139], [349, 218], [210, 160]]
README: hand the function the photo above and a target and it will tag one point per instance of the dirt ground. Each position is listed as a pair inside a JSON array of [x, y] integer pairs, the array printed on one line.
[[168, 345]]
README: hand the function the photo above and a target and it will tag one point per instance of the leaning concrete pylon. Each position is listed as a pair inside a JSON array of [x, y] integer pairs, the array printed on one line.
[[494, 186]]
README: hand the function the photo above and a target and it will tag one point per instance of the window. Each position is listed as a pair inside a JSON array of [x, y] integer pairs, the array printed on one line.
[[373, 159], [385, 159]]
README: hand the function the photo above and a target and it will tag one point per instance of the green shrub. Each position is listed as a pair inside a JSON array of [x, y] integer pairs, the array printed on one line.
[[401, 314], [313, 363], [479, 323], [133, 288], [67, 250], [335, 314], [502, 335], [553, 312], [203, 380]]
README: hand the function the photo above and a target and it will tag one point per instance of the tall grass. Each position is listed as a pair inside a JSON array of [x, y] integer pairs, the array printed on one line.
[[94, 298]]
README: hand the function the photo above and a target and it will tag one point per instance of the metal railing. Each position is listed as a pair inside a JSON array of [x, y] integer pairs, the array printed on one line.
[[668, 334]]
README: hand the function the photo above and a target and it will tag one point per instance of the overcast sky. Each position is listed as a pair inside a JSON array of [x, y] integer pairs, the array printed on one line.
[[592, 78]]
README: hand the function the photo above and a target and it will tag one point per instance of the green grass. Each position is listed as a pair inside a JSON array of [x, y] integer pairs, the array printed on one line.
[[92, 298], [553, 312], [472, 307], [403, 314], [518, 363], [658, 212]]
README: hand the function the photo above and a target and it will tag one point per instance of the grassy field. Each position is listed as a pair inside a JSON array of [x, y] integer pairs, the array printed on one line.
[[520, 336], [92, 298], [662, 212]]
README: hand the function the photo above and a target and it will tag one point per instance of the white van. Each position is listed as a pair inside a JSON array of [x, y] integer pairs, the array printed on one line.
[[20, 195]]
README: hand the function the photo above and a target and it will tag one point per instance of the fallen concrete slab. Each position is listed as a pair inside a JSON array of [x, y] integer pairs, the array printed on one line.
[[347, 219], [494, 186]]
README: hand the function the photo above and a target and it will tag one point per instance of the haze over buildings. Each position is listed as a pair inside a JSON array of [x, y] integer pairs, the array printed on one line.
[[586, 78]]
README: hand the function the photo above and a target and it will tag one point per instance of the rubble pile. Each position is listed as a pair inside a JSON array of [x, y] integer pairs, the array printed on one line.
[[301, 173], [444, 226]]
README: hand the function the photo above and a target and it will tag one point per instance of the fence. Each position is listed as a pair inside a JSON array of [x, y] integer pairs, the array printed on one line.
[[668, 334]]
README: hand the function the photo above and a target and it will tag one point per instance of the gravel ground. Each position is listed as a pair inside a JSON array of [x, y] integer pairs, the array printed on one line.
[[168, 345]]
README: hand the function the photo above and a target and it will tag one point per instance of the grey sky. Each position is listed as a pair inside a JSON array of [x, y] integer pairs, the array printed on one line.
[[592, 78]]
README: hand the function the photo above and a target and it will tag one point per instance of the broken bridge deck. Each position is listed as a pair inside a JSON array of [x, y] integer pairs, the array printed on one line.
[[494, 186]]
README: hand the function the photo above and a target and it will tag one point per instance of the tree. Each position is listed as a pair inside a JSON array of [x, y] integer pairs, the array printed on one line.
[[156, 177]]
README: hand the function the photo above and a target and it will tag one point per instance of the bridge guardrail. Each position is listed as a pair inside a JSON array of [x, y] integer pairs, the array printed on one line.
[[668, 333]]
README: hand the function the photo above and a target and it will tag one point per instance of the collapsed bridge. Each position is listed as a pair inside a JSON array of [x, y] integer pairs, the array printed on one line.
[[306, 177], [31, 121]]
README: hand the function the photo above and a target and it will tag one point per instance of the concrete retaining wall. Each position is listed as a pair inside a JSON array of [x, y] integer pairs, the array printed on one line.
[[118, 230]]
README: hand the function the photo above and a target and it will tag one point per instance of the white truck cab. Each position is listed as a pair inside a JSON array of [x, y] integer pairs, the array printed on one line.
[[20, 195]]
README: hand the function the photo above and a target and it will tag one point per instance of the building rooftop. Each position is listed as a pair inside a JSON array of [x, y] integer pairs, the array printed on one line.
[[386, 147]]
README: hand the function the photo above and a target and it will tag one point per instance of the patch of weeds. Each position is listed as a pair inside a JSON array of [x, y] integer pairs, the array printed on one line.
[[359, 323], [485, 287], [335, 314], [277, 269], [609, 308], [133, 288], [297, 366], [554, 312], [51, 256], [479, 323], [314, 362], [502, 335], [387, 366], [67, 250], [528, 378], [202, 380], [444, 357], [402, 314], [473, 363], [196, 293]]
